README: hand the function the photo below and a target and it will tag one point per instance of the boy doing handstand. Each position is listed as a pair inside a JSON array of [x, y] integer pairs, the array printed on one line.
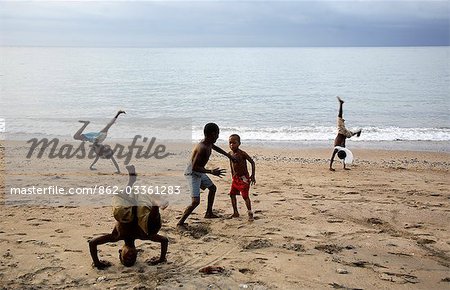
[[343, 134], [144, 225]]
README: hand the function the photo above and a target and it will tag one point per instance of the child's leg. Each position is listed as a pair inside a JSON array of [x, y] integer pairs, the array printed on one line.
[[93, 163], [105, 130], [115, 164], [189, 210], [78, 135], [234, 204], [332, 159], [211, 195], [341, 102], [345, 167], [194, 183], [154, 214], [248, 204], [131, 175]]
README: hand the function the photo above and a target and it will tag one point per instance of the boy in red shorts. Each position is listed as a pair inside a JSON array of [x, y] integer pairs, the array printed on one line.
[[241, 178]]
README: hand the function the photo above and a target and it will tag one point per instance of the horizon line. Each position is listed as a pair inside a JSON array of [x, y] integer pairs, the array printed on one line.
[[216, 46]]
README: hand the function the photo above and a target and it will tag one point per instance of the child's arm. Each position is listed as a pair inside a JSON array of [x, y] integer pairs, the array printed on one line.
[[200, 158], [109, 238], [232, 169], [221, 151], [164, 245], [252, 177]]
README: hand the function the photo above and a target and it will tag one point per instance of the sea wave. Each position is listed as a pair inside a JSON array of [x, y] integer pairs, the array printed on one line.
[[322, 133], [173, 128]]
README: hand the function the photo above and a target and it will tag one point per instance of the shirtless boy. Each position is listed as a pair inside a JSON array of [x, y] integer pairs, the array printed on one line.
[[196, 172], [241, 179]]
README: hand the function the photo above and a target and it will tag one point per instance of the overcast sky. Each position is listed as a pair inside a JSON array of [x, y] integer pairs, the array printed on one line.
[[225, 23]]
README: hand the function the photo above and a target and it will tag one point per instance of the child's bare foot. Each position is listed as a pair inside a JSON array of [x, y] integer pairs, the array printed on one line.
[[250, 216], [358, 133], [118, 113], [340, 100], [182, 227], [131, 170], [234, 215], [332, 169], [210, 215], [92, 168], [155, 261], [85, 122]]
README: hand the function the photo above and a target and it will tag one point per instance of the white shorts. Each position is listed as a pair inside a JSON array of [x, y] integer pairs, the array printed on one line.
[[196, 180]]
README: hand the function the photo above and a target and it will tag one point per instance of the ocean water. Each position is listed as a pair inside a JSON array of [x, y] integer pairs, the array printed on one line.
[[267, 95]]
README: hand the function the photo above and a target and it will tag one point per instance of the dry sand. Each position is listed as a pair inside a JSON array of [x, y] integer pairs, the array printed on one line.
[[382, 225]]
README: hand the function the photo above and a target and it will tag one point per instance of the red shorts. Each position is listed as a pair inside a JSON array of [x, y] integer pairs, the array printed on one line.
[[240, 184]]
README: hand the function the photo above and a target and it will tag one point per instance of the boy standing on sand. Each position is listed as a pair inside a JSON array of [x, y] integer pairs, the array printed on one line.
[[241, 179], [343, 134], [196, 172]]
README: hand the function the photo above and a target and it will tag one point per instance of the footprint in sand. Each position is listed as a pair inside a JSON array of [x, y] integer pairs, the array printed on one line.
[[375, 221], [246, 271], [40, 275], [258, 244], [294, 247], [329, 248], [196, 231], [422, 241]]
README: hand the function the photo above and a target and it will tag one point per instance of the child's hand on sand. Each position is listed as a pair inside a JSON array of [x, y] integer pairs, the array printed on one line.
[[101, 265], [253, 180]]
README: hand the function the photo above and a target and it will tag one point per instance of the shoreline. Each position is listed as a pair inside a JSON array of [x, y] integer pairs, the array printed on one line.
[[429, 146], [353, 143]]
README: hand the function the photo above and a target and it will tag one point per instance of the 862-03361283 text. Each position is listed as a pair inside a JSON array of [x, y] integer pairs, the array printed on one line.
[[100, 190]]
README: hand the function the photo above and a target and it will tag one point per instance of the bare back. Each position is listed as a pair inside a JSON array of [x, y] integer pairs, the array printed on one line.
[[340, 140]]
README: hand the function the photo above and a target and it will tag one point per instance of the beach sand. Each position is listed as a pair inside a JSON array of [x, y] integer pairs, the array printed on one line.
[[384, 224]]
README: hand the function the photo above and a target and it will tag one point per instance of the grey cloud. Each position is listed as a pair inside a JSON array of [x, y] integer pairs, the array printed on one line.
[[225, 23]]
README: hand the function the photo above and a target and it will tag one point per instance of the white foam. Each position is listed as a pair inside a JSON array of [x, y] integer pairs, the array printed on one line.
[[2, 125], [320, 133]]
